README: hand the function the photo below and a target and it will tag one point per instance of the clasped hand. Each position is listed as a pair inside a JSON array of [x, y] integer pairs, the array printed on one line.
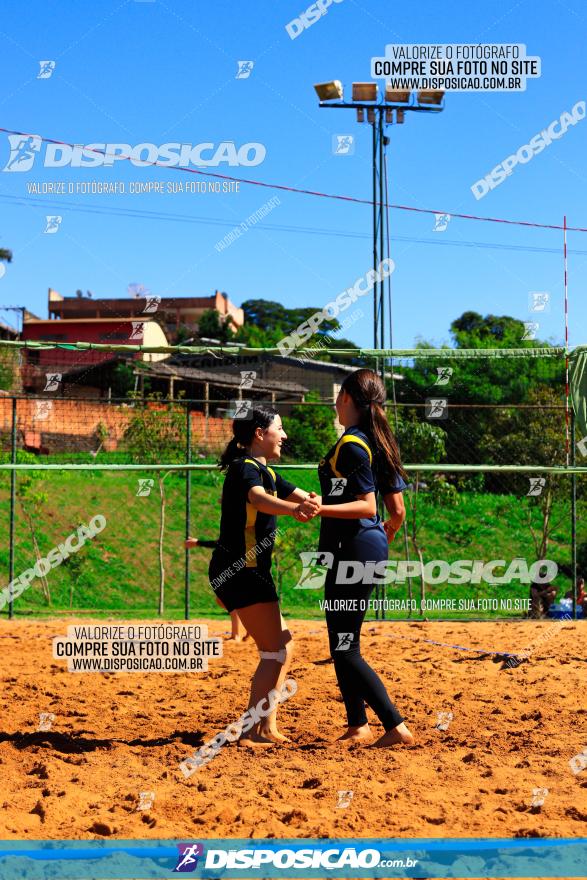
[[308, 508]]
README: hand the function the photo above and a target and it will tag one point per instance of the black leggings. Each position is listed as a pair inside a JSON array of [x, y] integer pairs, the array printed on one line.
[[358, 683]]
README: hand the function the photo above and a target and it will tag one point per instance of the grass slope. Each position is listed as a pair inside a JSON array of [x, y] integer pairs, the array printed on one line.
[[118, 571]]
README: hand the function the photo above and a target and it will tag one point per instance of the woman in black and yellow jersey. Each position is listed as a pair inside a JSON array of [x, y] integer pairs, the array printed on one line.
[[238, 631], [363, 463], [253, 496]]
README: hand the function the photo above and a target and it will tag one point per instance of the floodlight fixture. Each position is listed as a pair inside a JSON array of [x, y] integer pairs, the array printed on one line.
[[329, 91], [365, 91], [395, 96], [430, 97]]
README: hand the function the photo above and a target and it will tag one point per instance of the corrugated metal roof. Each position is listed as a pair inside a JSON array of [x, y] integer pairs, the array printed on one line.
[[215, 377]]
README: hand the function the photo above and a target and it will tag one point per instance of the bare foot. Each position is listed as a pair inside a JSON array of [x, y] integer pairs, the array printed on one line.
[[400, 735], [356, 735], [255, 741], [275, 736]]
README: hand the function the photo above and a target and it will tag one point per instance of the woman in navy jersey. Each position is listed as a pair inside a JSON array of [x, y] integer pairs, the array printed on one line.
[[253, 496], [364, 463]]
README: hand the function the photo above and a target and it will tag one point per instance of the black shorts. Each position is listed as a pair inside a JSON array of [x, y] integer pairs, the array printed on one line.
[[241, 588]]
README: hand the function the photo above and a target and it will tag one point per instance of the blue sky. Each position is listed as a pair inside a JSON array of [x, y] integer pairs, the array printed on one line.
[[160, 72]]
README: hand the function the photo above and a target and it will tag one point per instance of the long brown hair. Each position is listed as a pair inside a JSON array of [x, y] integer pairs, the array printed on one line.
[[367, 391]]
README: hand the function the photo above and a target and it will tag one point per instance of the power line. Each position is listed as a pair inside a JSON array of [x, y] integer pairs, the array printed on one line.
[[141, 214], [307, 192]]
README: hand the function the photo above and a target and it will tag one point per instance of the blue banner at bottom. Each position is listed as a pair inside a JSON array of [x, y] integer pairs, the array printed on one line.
[[343, 857]]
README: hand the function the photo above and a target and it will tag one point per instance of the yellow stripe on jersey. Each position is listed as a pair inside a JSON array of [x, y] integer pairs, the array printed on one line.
[[347, 438], [250, 537], [271, 471]]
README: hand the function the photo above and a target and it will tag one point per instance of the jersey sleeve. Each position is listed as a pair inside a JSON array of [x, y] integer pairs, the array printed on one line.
[[248, 475], [393, 484], [284, 487], [354, 465]]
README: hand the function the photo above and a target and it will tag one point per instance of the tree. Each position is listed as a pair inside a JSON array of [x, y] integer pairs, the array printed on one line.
[[483, 380], [123, 379], [156, 433], [8, 369], [535, 437], [422, 442], [268, 322], [212, 327], [310, 429], [267, 313], [288, 540], [31, 500], [183, 333]]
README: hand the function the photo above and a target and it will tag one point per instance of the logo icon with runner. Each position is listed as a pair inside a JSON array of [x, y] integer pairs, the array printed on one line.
[[315, 567], [344, 641], [137, 330], [578, 762], [338, 485], [539, 301], [343, 144], [436, 408], [245, 68], [189, 853], [152, 303], [53, 223], [146, 799], [344, 799], [443, 720], [23, 151], [537, 484], [441, 222], [42, 410], [53, 381], [531, 329], [46, 720], [539, 795], [444, 374], [243, 409], [46, 69]]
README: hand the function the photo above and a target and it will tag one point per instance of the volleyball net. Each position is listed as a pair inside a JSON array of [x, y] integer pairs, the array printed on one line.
[[493, 441]]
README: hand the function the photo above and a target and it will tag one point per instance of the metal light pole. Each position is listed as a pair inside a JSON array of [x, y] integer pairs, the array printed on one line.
[[390, 110]]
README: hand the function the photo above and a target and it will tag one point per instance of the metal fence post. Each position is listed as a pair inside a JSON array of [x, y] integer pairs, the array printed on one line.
[[573, 517], [188, 487], [12, 507]]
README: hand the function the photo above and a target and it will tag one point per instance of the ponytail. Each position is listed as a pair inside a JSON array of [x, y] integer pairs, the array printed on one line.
[[243, 430], [231, 452], [387, 447], [368, 393]]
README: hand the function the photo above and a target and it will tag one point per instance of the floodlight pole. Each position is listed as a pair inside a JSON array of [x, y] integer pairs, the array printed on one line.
[[375, 218], [379, 142], [381, 221]]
